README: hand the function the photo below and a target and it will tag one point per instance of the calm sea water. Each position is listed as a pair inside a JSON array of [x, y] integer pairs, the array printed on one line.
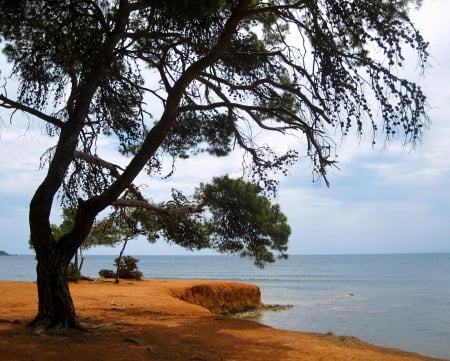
[[399, 301]]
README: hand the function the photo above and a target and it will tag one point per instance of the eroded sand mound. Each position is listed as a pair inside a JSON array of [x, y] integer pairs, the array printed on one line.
[[221, 298]]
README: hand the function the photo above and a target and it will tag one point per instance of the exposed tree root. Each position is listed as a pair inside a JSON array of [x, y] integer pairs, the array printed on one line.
[[44, 327]]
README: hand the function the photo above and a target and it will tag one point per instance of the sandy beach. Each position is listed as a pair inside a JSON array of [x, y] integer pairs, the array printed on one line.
[[167, 320]]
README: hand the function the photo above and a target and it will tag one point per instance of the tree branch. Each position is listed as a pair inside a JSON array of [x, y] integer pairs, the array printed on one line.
[[157, 134], [93, 159], [11, 104], [140, 202], [136, 203]]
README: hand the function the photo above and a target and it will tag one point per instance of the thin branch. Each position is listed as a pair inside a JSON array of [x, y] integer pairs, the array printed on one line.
[[11, 104], [93, 159], [135, 203]]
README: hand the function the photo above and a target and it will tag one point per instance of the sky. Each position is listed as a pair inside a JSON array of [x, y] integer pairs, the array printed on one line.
[[394, 200]]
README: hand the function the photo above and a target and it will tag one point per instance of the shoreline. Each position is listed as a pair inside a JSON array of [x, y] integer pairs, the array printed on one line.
[[169, 320]]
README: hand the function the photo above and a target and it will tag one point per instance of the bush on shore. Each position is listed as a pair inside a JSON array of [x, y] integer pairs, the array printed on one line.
[[127, 269]]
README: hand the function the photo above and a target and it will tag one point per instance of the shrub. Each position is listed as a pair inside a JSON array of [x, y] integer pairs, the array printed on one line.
[[128, 269], [106, 273]]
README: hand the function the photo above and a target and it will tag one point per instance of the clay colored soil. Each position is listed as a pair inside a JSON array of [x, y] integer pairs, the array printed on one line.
[[166, 320]]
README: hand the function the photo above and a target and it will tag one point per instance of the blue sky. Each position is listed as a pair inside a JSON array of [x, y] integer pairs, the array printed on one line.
[[380, 201]]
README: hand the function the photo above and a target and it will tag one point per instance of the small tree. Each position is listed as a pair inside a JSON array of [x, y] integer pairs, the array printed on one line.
[[126, 267], [129, 224]]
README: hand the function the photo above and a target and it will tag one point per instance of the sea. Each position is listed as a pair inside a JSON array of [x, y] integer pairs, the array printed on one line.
[[395, 300]]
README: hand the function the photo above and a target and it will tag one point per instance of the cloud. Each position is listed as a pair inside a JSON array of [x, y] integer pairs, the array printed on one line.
[[21, 149], [327, 221]]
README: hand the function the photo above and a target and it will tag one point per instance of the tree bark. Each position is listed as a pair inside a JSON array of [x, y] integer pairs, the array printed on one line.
[[56, 309], [119, 259]]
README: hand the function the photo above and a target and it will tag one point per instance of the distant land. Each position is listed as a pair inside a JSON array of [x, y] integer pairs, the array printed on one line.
[[3, 253]]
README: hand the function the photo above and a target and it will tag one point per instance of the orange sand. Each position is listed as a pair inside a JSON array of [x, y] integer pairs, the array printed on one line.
[[147, 320]]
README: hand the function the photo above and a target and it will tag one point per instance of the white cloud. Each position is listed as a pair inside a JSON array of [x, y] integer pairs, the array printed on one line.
[[324, 223], [20, 152]]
